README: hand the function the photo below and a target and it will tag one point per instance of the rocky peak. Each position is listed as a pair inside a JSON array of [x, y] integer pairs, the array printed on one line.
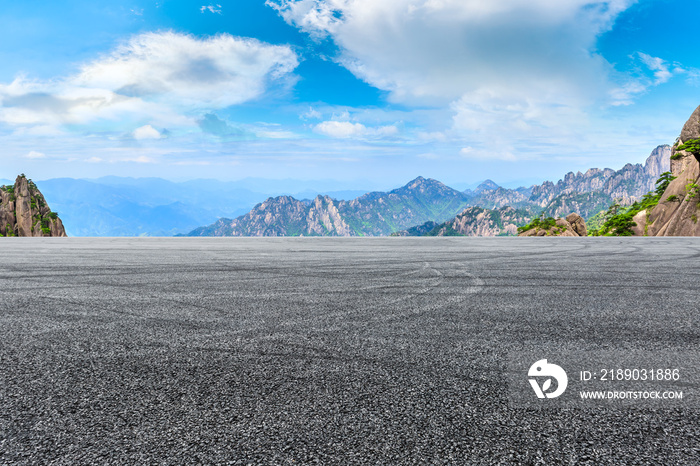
[[420, 187], [591, 172], [25, 212], [473, 221], [487, 185], [691, 129], [372, 214], [658, 161], [422, 184], [628, 184]]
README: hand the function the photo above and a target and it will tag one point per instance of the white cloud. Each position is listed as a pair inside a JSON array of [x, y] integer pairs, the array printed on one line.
[[428, 50], [520, 78], [347, 129], [214, 72], [496, 154], [434, 136], [658, 66], [35, 155], [340, 129], [693, 76], [311, 114], [160, 75], [211, 8], [271, 134], [146, 132], [626, 93]]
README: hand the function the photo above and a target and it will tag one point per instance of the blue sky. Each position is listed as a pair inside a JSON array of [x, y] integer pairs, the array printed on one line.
[[372, 92]]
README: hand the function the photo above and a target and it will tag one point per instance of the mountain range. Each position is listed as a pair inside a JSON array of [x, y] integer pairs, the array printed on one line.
[[427, 206], [372, 214], [121, 206], [585, 193]]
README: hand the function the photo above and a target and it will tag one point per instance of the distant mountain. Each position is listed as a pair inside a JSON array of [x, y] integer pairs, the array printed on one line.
[[141, 206], [121, 206], [373, 214], [486, 185], [428, 207], [118, 206], [601, 187], [501, 211]]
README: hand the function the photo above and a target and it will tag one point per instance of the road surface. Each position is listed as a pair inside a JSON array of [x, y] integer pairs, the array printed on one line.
[[331, 351]]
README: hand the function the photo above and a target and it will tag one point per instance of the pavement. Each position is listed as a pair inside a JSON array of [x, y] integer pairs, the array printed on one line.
[[332, 350]]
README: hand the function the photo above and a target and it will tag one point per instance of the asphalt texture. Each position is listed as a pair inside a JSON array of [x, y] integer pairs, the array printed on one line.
[[330, 351]]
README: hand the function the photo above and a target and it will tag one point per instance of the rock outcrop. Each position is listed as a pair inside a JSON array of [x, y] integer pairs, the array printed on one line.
[[572, 225], [474, 221], [677, 212], [25, 212], [578, 224]]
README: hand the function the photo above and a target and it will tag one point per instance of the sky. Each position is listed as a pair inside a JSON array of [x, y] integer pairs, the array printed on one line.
[[372, 93]]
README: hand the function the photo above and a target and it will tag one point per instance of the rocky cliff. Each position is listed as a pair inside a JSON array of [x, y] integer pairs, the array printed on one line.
[[677, 212], [474, 221], [586, 193], [25, 212], [373, 214], [572, 225]]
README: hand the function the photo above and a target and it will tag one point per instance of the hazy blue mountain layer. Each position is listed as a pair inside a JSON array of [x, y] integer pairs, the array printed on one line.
[[117, 206]]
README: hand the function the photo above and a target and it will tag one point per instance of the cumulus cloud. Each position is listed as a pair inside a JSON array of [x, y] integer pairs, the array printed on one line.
[[518, 76], [422, 50], [347, 129], [161, 75], [214, 72], [146, 132], [35, 155]]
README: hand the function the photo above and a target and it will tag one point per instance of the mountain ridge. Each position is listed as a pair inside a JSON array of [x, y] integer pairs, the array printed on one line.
[[425, 202], [375, 213]]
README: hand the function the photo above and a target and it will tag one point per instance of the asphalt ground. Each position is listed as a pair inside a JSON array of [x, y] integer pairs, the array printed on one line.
[[332, 351]]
